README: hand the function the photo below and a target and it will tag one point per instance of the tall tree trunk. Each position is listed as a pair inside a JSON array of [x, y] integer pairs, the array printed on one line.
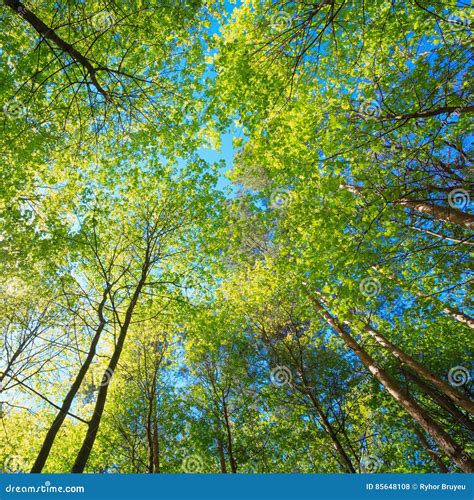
[[65, 407], [230, 449], [445, 214], [448, 310], [326, 423], [438, 212], [93, 427], [442, 401], [421, 370], [448, 445], [459, 316], [156, 444], [149, 435], [48, 33], [432, 453], [332, 434], [220, 451]]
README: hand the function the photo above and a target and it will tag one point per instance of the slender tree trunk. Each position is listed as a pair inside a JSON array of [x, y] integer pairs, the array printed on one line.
[[332, 434], [442, 401], [65, 407], [421, 370], [86, 448], [459, 316], [156, 444], [48, 33], [448, 310], [438, 212], [445, 214], [432, 453], [326, 423], [149, 435], [230, 450], [444, 110], [431, 427], [220, 450]]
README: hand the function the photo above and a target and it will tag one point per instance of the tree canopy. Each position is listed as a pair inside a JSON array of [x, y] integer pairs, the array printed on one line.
[[236, 236]]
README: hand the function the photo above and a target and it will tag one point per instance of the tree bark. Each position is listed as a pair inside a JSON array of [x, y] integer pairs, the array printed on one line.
[[156, 445], [65, 407], [48, 33], [332, 434], [440, 213], [93, 427], [443, 401], [459, 316], [444, 214], [421, 370], [230, 450], [220, 450], [431, 427], [443, 110], [432, 453]]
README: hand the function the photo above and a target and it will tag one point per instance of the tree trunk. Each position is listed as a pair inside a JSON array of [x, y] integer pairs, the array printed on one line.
[[452, 450], [326, 424], [220, 450], [65, 407], [443, 110], [459, 316], [448, 310], [48, 33], [230, 451], [432, 453], [440, 213], [445, 214], [442, 401], [332, 434], [149, 435], [445, 388], [86, 448], [156, 445]]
